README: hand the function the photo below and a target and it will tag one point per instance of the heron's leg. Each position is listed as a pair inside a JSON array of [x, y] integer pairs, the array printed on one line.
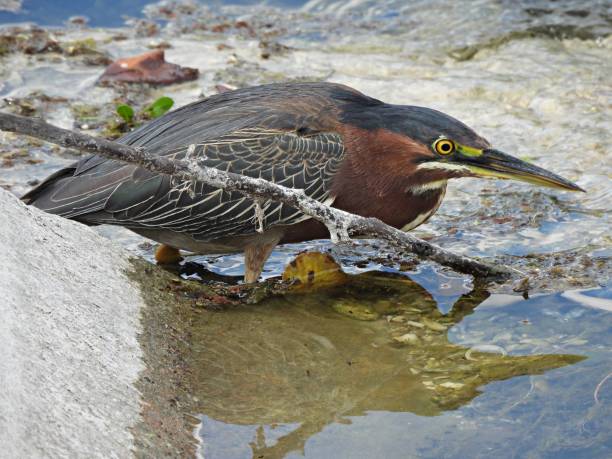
[[255, 256], [167, 255]]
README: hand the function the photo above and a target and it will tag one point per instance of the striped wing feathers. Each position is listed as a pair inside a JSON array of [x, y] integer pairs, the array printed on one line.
[[146, 200]]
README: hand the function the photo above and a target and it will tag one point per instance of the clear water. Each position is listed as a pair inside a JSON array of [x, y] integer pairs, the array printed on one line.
[[532, 77]]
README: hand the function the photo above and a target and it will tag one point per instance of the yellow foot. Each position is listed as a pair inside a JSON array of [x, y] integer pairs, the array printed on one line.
[[166, 255]]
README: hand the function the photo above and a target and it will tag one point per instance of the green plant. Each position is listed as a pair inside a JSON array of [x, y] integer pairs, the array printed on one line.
[[126, 113], [159, 107], [132, 119]]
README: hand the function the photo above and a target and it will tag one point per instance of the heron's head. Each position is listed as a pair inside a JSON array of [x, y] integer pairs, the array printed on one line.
[[445, 148]]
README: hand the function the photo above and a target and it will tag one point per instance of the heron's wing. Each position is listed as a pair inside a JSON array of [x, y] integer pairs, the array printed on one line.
[[286, 133], [115, 193]]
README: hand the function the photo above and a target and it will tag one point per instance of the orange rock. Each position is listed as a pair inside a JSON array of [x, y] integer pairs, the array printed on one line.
[[150, 68]]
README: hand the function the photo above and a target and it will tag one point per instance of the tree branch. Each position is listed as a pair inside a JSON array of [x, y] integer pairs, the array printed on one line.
[[341, 224]]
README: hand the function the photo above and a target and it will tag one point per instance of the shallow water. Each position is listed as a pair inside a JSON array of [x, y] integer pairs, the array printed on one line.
[[322, 385], [379, 365], [533, 78]]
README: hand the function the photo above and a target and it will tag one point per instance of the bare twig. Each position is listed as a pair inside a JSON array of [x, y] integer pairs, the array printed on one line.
[[341, 224]]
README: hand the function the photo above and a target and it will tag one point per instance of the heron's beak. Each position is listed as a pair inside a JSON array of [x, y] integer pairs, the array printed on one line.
[[496, 164]]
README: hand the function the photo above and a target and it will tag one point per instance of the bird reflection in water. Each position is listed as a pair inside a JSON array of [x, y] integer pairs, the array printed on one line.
[[368, 342]]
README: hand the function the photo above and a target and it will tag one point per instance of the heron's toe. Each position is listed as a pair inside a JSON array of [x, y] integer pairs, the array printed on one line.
[[167, 255]]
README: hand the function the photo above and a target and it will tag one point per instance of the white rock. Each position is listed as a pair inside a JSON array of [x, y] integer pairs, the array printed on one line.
[[68, 328]]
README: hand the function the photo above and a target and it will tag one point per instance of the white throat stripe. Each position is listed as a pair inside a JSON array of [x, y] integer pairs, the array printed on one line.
[[435, 185], [436, 165]]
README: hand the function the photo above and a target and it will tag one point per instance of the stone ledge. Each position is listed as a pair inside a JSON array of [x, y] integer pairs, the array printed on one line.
[[70, 318]]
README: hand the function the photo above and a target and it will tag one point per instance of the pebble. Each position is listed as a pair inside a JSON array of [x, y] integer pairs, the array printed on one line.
[[408, 338], [435, 326], [452, 385]]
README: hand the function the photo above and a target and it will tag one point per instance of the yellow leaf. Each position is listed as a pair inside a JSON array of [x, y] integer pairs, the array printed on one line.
[[311, 270]]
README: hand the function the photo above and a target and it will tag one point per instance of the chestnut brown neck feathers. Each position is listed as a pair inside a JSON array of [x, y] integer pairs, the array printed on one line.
[[379, 178]]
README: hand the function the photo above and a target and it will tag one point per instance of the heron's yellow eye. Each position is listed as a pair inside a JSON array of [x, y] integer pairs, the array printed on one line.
[[444, 146]]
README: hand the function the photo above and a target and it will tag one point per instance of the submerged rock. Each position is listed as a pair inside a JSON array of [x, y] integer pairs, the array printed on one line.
[[355, 310], [87, 49], [272, 48], [408, 338], [70, 320], [27, 40], [150, 68]]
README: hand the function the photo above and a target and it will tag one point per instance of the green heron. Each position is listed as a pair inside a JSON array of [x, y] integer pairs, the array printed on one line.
[[340, 146]]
